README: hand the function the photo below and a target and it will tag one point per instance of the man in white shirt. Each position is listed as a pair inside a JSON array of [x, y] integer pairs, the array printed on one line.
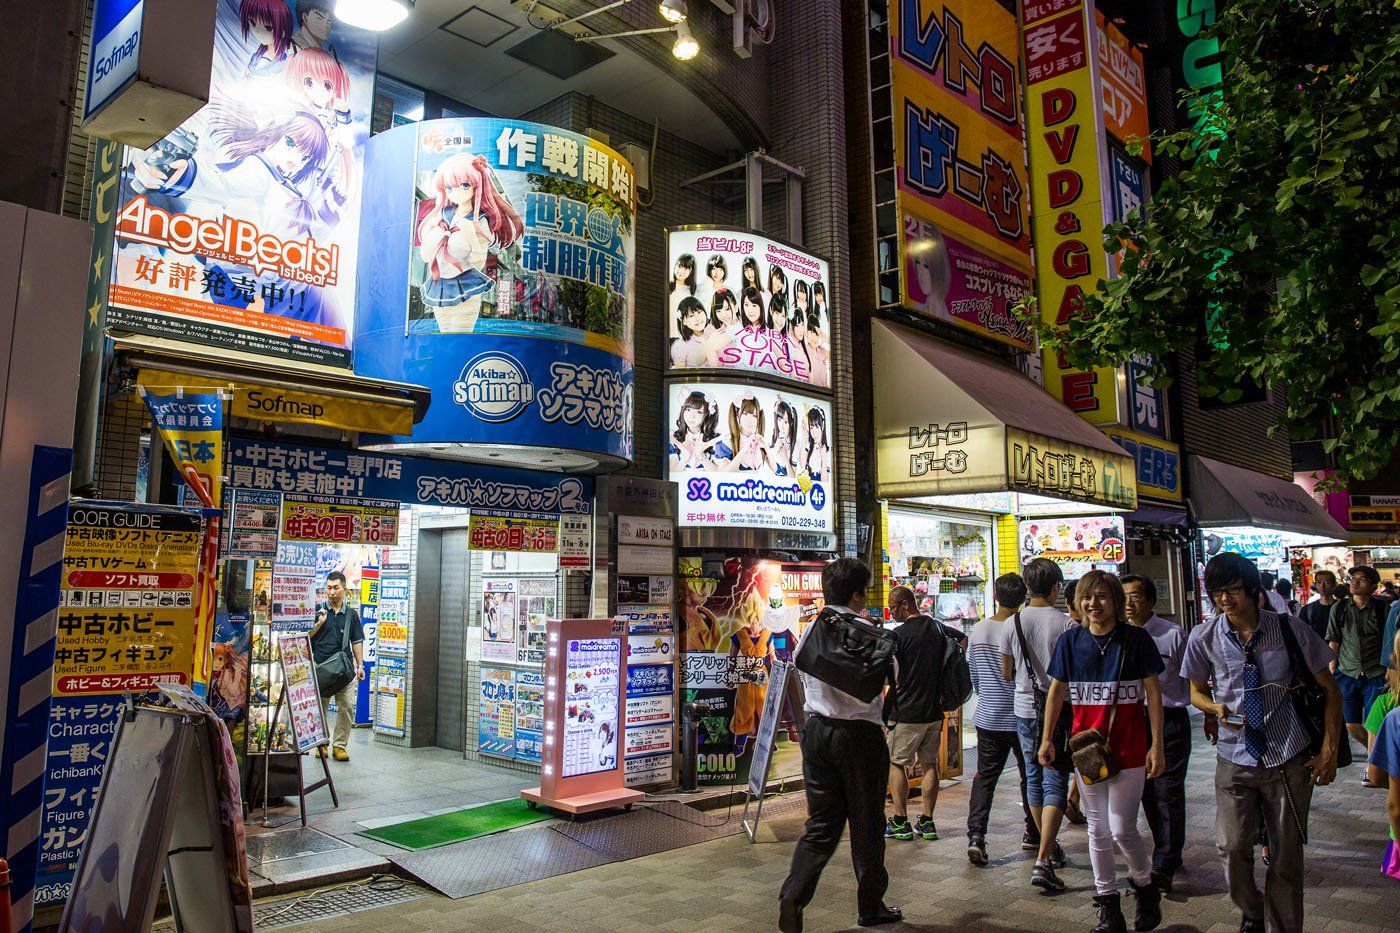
[[1164, 797], [845, 764]]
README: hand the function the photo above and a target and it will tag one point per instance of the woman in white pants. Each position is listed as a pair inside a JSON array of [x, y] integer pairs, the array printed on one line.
[[1108, 668]]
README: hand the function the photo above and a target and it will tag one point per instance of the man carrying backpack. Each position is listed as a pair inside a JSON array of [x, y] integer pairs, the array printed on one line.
[[915, 707]]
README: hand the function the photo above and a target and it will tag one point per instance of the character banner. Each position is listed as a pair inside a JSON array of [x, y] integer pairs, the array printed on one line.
[[750, 457], [240, 228], [740, 301]]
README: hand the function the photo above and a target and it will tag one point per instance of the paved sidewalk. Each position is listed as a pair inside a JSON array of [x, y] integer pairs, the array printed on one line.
[[729, 884]]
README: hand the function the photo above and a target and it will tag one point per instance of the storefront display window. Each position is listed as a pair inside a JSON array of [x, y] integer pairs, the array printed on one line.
[[946, 560]]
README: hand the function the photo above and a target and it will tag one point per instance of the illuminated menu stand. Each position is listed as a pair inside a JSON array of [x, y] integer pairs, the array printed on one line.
[[574, 789]]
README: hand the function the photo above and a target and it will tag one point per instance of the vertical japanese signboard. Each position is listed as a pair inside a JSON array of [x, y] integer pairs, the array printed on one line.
[[1068, 165], [1123, 85], [126, 622], [960, 165]]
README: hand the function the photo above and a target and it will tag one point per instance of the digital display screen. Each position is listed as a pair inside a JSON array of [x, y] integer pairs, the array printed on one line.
[[592, 667]]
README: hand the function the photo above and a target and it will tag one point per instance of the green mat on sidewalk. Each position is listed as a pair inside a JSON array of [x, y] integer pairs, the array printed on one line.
[[445, 828]]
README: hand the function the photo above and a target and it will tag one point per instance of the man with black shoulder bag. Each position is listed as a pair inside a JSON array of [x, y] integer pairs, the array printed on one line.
[[337, 646], [844, 663]]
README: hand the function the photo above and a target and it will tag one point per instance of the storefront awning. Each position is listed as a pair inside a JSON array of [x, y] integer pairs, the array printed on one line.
[[1227, 496], [278, 390], [950, 421]]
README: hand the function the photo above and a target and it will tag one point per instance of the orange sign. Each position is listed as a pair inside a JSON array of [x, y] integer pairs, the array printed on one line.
[[1123, 83]]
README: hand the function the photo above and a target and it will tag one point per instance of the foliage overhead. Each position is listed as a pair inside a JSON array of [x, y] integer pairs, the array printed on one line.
[[1277, 249]]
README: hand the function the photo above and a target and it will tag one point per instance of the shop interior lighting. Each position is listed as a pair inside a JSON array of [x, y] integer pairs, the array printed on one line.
[[374, 15], [673, 11]]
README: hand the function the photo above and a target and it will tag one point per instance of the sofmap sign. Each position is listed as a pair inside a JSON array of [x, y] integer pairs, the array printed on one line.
[[1066, 135], [499, 262], [116, 49], [960, 164], [354, 474]]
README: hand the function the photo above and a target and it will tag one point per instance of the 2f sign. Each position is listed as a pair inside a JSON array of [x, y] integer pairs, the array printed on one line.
[[116, 49]]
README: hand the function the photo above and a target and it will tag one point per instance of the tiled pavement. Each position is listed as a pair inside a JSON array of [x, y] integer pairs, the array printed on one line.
[[728, 884]]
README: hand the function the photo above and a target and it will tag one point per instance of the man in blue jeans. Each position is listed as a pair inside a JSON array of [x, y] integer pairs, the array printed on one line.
[[1354, 631], [1027, 644]]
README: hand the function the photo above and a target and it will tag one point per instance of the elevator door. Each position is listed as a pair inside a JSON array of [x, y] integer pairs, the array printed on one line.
[[452, 633]]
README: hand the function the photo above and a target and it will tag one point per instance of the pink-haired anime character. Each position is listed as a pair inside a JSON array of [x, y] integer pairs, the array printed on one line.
[[270, 24], [323, 87], [465, 217]]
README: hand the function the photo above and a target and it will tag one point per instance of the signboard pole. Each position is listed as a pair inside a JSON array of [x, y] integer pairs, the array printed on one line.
[[781, 687]]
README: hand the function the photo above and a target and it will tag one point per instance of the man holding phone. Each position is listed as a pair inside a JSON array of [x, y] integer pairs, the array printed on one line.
[[1240, 671]]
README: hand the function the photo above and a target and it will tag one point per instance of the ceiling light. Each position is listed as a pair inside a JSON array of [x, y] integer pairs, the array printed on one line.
[[673, 11], [686, 47], [374, 15]]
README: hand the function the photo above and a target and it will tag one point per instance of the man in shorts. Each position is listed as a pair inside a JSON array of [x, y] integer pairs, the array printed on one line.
[[918, 714]]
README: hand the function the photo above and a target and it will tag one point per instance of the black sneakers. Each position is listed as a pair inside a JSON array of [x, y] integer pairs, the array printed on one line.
[[899, 828], [1044, 877], [977, 850]]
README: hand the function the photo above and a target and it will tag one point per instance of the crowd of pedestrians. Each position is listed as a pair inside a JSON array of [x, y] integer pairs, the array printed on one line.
[[1099, 699]]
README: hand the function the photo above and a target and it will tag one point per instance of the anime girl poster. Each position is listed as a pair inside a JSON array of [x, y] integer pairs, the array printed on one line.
[[750, 612], [274, 158], [499, 620]]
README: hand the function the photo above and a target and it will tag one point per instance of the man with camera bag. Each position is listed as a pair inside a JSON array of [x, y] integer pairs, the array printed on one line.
[[337, 635], [845, 761]]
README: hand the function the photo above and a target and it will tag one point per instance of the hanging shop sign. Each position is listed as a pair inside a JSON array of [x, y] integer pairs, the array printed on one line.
[[1158, 463], [359, 474], [960, 165], [736, 624], [575, 542], [496, 720], [502, 257], [390, 689], [1123, 85], [1067, 163], [239, 229], [492, 532], [750, 457], [740, 301], [340, 521], [1077, 544], [253, 524], [192, 426]]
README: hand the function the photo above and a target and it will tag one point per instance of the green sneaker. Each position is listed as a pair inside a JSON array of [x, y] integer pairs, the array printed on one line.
[[926, 828], [897, 828]]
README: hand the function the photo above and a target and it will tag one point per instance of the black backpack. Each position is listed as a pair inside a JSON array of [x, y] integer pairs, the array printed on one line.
[[954, 675]]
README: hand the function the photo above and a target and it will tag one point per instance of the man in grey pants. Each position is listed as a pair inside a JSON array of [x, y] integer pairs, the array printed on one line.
[[1240, 670]]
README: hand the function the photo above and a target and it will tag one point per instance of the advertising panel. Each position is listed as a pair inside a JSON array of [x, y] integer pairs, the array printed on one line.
[[648, 740], [340, 521], [645, 589], [1078, 545], [960, 164], [303, 701], [651, 649], [496, 721], [743, 302], [650, 680], [240, 228], [1067, 167], [736, 626], [648, 769], [498, 620], [529, 715], [646, 711], [1123, 81], [535, 605], [360, 474], [294, 587], [390, 688], [254, 518], [1158, 463], [750, 457], [491, 532], [504, 255], [591, 715], [644, 620]]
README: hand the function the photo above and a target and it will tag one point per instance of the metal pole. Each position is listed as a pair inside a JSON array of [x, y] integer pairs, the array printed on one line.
[[690, 782], [753, 191]]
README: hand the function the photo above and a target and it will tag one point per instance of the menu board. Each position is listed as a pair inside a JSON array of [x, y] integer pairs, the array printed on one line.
[[303, 700], [591, 685]]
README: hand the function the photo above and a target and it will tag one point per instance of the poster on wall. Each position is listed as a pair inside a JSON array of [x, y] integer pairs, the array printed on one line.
[[529, 716], [498, 620], [390, 687], [592, 668], [496, 720], [294, 587], [535, 605], [340, 521], [736, 625], [240, 229], [1078, 545], [750, 457], [743, 302], [959, 157], [253, 523], [513, 532], [575, 542]]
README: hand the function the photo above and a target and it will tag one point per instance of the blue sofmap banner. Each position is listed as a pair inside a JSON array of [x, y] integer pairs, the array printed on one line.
[[359, 474]]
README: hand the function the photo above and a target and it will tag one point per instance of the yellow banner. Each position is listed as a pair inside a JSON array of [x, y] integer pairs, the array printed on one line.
[[503, 533], [340, 521], [1067, 216], [126, 620], [264, 403]]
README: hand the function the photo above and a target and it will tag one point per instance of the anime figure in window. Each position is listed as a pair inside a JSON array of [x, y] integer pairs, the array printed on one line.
[[268, 23], [695, 441], [463, 222], [751, 657]]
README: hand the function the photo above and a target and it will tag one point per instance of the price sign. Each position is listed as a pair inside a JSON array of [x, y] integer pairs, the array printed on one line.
[[500, 533], [341, 521]]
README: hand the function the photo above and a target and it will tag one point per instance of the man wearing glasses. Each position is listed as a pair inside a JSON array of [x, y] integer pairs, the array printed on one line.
[[1239, 668]]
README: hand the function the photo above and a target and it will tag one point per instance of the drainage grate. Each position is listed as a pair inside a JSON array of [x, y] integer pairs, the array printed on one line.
[[321, 905]]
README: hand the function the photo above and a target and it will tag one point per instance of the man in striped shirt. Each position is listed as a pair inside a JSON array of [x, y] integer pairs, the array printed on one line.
[[995, 720], [1240, 671]]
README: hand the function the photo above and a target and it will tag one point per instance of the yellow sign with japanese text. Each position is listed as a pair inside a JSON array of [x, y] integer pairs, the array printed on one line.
[[126, 619], [509, 533], [340, 521], [1064, 122], [1047, 466]]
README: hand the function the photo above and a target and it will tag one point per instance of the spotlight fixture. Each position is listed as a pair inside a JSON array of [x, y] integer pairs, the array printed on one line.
[[374, 15], [686, 47], [673, 11]]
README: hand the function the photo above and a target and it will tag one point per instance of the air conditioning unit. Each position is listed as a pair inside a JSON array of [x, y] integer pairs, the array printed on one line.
[[640, 157]]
